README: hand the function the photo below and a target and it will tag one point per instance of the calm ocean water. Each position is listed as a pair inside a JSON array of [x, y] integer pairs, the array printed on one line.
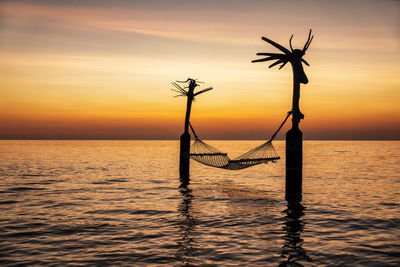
[[119, 203]]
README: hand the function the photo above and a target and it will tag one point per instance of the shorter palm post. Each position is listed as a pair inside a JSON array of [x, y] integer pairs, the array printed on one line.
[[184, 158], [294, 150]]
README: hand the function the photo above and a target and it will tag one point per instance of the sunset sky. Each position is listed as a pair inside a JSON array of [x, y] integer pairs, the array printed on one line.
[[102, 69]]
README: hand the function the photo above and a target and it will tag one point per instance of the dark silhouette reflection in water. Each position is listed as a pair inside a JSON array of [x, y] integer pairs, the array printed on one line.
[[186, 245], [292, 250]]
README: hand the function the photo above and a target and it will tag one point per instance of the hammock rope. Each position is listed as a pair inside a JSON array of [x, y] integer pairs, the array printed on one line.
[[211, 156]]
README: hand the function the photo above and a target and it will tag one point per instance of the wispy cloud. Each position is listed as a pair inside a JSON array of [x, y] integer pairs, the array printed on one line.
[[118, 57]]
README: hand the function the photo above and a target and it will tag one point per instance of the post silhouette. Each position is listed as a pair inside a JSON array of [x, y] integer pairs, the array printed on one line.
[[184, 160], [186, 244], [294, 137], [293, 252], [184, 157]]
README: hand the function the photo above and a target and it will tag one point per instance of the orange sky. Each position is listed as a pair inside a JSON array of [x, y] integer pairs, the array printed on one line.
[[102, 69]]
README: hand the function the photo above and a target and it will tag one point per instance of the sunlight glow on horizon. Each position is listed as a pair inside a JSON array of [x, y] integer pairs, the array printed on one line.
[[87, 70]]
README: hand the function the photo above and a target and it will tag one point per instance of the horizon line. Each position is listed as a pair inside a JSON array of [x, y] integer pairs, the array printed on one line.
[[138, 139]]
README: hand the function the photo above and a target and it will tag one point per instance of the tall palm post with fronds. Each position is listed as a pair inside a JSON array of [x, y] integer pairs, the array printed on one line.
[[294, 137], [188, 91]]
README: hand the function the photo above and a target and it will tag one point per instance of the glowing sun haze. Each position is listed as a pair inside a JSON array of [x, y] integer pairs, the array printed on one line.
[[102, 69]]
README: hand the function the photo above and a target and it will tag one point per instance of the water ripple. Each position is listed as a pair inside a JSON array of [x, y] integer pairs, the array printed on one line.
[[95, 203]]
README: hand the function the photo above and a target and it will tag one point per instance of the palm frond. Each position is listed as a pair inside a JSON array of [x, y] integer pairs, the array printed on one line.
[[305, 62], [276, 45], [263, 59], [179, 95], [203, 91], [290, 42], [271, 55], [178, 87], [284, 63], [179, 92], [276, 63], [309, 40]]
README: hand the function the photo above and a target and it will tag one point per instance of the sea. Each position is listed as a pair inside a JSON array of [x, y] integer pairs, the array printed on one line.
[[121, 203]]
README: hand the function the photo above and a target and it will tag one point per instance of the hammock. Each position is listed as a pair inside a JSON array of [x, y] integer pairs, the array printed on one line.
[[210, 156]]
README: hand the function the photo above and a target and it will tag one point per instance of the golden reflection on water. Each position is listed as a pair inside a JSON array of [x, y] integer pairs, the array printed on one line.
[[121, 201], [186, 250], [292, 250], [234, 200]]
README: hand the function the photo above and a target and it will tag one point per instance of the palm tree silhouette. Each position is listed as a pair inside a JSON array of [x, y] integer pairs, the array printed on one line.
[[187, 91], [193, 83], [295, 57]]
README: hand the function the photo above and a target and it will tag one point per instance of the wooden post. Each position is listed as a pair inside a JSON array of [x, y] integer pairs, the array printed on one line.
[[184, 158], [294, 140], [294, 137], [294, 164]]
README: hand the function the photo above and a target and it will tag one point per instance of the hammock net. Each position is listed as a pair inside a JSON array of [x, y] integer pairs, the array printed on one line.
[[210, 156]]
